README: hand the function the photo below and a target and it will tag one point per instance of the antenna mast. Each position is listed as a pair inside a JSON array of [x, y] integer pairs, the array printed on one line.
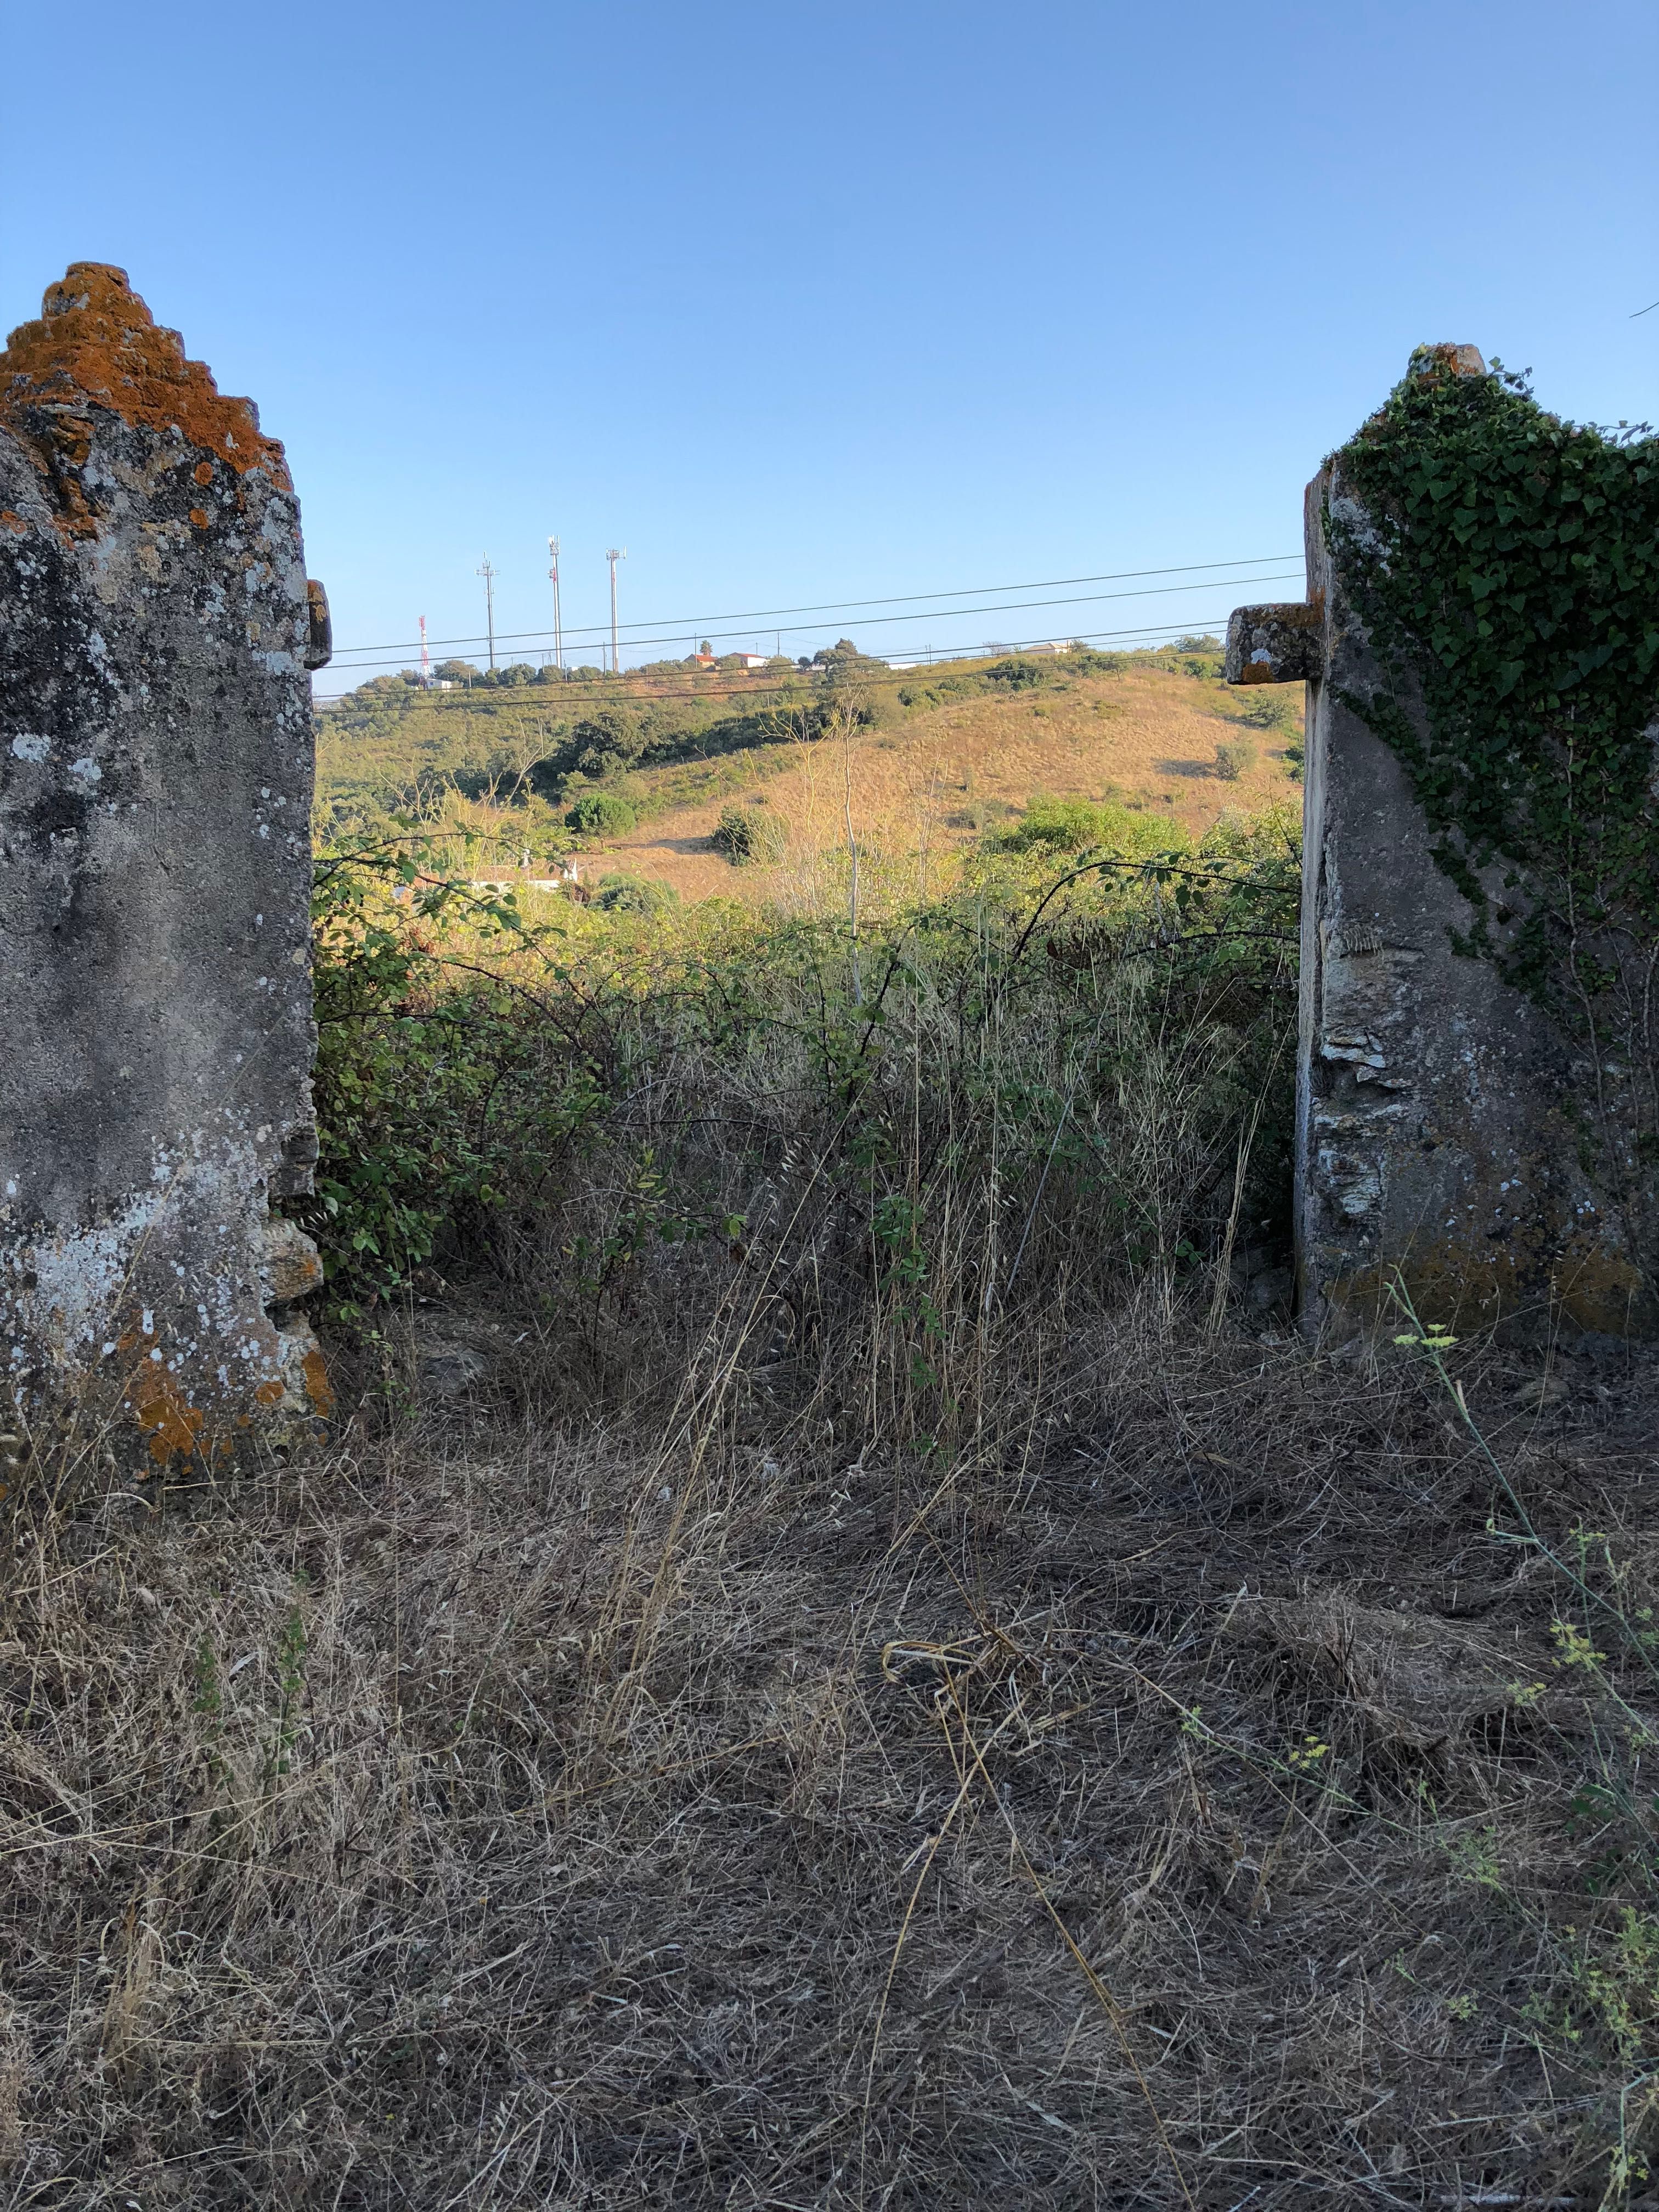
[[616, 553], [426, 660], [558, 632], [489, 576]]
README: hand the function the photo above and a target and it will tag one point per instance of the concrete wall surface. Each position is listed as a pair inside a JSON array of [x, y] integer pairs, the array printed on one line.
[[1437, 1134], [155, 777]]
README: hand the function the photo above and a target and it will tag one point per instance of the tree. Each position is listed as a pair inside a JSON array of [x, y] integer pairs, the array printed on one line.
[[607, 739], [601, 814]]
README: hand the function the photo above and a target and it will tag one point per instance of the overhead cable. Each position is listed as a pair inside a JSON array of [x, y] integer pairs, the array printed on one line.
[[678, 624]]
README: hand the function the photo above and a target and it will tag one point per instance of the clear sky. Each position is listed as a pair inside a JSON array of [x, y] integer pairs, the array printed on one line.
[[811, 302]]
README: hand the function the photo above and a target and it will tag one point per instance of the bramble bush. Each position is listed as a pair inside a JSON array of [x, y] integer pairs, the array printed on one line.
[[1070, 1075]]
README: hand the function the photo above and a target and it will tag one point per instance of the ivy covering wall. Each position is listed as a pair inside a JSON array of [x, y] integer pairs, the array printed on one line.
[[1506, 565]]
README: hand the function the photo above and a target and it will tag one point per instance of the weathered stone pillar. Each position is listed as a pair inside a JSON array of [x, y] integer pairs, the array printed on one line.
[[1434, 1129], [156, 778]]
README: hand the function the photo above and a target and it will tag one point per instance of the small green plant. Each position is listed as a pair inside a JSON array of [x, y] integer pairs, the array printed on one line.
[[290, 1654], [209, 1699]]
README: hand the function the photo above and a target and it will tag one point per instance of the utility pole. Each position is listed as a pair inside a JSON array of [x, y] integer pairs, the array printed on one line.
[[616, 553], [426, 660], [558, 632], [489, 576]]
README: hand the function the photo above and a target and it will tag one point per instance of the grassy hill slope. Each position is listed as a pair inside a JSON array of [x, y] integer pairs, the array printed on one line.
[[924, 762], [1145, 738]]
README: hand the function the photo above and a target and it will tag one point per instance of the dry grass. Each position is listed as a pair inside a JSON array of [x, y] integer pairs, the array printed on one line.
[[1140, 1809], [924, 790]]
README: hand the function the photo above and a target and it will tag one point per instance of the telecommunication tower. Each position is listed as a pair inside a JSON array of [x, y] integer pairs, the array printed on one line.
[[558, 632], [426, 660], [489, 576], [616, 553]]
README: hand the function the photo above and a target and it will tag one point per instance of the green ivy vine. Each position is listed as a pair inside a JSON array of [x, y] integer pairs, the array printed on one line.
[[1507, 568]]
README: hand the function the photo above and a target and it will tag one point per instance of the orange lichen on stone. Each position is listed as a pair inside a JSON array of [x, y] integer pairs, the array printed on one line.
[[199, 515], [96, 344], [171, 1425], [15, 523], [319, 1388]]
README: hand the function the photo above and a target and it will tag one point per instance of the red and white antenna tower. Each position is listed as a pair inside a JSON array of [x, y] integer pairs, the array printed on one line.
[[426, 658]]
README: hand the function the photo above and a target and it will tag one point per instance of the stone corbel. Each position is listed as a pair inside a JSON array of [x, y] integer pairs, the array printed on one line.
[[1277, 645], [320, 638]]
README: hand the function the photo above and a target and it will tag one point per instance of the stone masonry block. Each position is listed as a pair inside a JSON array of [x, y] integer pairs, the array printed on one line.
[[1275, 645], [156, 780]]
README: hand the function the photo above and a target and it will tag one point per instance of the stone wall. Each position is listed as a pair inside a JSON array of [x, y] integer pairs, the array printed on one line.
[[1436, 1129], [155, 777]]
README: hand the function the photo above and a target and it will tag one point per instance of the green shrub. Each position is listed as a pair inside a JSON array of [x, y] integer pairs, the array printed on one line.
[[1018, 674], [601, 814], [745, 835], [1063, 825], [1040, 1078], [433, 1099], [635, 895], [1233, 757], [1267, 710]]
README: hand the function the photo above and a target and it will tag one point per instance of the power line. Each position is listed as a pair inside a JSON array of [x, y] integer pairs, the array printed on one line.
[[609, 690], [679, 622], [989, 607]]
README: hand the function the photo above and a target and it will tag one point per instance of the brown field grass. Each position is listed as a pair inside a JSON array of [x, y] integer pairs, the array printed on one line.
[[1178, 1800], [927, 787]]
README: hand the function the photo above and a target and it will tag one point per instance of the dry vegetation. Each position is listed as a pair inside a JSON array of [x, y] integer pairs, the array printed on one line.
[[1150, 1806], [846, 1657], [928, 789]]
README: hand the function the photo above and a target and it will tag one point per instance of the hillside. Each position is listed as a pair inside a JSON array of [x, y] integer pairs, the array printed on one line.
[[927, 762], [1144, 738]]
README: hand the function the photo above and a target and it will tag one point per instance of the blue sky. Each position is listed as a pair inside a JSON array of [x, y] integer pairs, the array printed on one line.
[[812, 302]]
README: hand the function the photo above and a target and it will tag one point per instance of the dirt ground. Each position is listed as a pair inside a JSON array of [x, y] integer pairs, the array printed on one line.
[[1206, 1801]]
